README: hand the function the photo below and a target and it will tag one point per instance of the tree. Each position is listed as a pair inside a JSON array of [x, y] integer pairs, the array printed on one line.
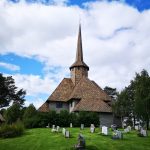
[[124, 105], [112, 92], [142, 96], [30, 117], [134, 100], [13, 113], [9, 92]]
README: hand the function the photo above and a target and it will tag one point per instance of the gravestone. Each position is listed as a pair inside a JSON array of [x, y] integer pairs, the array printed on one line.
[[117, 135], [57, 128], [92, 128], [67, 134], [82, 126], [53, 128], [129, 128], [126, 130], [70, 125], [137, 127], [81, 143], [143, 132], [64, 131], [104, 130]]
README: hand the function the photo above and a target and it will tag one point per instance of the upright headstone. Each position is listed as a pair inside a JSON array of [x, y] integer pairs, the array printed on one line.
[[82, 126], [57, 128], [70, 125], [64, 131], [92, 128], [53, 128], [143, 132], [119, 134], [136, 127], [104, 130], [126, 130], [129, 128], [67, 134], [81, 143]]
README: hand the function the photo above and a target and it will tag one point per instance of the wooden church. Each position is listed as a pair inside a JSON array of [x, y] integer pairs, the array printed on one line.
[[79, 93]]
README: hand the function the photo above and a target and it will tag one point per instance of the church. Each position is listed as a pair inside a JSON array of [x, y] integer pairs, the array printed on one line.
[[79, 93]]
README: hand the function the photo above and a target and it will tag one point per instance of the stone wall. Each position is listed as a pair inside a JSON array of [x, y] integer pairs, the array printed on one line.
[[106, 119]]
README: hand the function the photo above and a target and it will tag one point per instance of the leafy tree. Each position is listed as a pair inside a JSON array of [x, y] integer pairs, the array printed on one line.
[[30, 117], [142, 96], [112, 92], [13, 113], [134, 100], [9, 92]]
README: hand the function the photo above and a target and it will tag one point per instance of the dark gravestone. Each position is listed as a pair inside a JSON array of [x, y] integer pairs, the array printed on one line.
[[81, 143]]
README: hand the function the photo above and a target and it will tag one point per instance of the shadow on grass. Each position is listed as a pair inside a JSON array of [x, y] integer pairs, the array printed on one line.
[[91, 147]]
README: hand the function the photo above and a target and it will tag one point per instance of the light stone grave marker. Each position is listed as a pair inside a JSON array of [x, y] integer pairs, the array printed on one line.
[[104, 130]]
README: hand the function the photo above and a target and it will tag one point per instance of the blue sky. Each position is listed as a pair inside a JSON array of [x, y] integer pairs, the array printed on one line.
[[37, 47]]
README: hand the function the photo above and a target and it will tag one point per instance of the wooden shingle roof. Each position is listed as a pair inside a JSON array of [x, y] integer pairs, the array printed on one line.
[[63, 91], [44, 107], [92, 104], [88, 89]]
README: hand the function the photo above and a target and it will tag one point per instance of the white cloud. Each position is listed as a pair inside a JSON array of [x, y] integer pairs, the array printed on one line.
[[9, 66], [115, 40], [36, 101], [34, 84]]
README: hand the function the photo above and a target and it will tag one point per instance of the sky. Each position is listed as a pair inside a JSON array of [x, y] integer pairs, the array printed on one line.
[[38, 40]]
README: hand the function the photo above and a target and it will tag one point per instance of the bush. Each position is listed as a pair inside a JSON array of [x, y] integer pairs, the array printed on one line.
[[8, 131], [88, 118]]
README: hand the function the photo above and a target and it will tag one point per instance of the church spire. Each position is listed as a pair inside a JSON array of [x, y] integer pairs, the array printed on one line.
[[79, 53], [79, 68]]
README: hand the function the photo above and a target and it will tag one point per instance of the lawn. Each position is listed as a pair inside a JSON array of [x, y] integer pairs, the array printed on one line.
[[43, 139]]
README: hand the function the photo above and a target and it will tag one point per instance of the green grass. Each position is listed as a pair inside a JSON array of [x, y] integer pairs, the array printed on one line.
[[43, 139]]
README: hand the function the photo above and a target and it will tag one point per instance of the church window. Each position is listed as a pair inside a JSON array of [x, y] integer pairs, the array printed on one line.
[[59, 105]]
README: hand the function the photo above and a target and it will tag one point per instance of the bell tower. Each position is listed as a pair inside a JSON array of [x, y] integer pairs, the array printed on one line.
[[78, 69]]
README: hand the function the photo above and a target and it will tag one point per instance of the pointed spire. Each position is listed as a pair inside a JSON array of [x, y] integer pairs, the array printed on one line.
[[79, 53]]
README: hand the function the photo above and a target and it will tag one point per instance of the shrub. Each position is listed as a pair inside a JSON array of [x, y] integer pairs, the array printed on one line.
[[8, 131], [88, 118]]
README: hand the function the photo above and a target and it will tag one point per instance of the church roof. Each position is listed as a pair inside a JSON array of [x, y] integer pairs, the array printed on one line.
[[91, 97], [79, 54], [88, 89], [44, 107], [63, 91], [92, 104]]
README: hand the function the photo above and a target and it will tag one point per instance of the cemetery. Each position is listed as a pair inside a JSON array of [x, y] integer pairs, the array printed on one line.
[[70, 138]]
